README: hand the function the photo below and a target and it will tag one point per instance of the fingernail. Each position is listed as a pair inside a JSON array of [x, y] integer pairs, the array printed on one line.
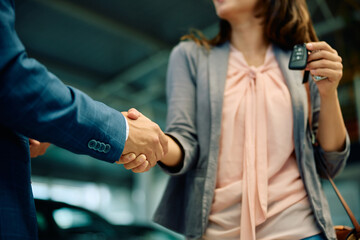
[[309, 45], [132, 156], [143, 157]]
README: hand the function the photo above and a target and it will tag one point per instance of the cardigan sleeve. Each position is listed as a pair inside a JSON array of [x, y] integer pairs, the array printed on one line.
[[181, 99], [334, 162]]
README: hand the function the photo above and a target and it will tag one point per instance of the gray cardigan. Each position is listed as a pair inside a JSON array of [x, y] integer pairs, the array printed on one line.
[[195, 86]]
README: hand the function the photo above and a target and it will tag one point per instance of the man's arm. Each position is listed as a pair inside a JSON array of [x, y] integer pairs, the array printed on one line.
[[38, 105]]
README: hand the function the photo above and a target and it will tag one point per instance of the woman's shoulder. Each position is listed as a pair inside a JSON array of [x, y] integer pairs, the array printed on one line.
[[187, 51], [188, 47], [191, 49]]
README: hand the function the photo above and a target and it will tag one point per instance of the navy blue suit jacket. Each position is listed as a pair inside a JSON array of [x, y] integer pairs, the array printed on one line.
[[35, 103]]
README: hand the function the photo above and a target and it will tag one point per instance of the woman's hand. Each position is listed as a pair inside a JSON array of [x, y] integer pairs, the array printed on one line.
[[137, 164], [37, 148], [324, 61]]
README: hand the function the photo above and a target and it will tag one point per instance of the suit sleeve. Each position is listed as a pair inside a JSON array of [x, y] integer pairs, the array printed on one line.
[[35, 103]]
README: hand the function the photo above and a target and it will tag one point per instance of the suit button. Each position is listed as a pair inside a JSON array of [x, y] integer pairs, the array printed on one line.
[[97, 146], [107, 148], [102, 147], [91, 144]]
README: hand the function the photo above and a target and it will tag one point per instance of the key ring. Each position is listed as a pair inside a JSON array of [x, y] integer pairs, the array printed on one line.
[[318, 78]]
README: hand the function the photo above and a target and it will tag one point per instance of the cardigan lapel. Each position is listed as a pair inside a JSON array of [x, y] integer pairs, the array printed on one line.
[[298, 97], [217, 65]]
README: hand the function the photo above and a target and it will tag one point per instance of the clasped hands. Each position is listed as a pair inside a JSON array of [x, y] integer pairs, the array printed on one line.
[[146, 143]]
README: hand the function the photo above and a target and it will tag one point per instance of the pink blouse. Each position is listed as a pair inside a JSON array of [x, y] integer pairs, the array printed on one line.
[[258, 181]]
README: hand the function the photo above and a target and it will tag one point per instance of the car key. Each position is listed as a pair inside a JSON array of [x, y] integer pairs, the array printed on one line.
[[299, 57], [298, 60]]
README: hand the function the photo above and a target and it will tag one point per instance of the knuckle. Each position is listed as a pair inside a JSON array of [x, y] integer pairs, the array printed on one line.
[[340, 66], [155, 140], [156, 127], [340, 75]]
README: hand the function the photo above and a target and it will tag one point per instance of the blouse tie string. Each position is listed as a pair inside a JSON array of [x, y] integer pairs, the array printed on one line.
[[255, 178]]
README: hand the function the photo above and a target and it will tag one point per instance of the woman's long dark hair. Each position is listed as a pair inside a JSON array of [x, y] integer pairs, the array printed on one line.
[[286, 23]]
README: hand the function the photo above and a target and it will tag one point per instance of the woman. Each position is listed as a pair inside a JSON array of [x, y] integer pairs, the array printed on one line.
[[240, 145]]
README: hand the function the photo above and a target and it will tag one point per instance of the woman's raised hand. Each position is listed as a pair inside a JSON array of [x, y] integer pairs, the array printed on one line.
[[324, 61]]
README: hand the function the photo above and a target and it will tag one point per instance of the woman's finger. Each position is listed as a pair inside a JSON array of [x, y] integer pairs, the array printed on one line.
[[136, 163], [324, 63], [142, 168], [332, 75], [126, 158], [317, 46], [314, 56]]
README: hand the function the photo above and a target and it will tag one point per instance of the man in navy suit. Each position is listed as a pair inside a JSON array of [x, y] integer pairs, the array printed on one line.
[[36, 104]]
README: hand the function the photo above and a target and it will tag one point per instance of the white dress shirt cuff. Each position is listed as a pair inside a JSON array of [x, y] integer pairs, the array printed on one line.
[[127, 128]]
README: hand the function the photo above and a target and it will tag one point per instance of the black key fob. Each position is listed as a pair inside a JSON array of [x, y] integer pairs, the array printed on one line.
[[299, 56]]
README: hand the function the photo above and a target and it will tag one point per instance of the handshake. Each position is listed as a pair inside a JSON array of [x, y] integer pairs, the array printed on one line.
[[146, 143]]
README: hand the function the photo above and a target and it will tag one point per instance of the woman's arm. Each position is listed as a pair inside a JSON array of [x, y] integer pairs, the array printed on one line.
[[175, 155], [181, 117], [324, 61], [331, 132]]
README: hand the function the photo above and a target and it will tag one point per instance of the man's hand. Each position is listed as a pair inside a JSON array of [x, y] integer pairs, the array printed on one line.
[[145, 137], [37, 148]]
